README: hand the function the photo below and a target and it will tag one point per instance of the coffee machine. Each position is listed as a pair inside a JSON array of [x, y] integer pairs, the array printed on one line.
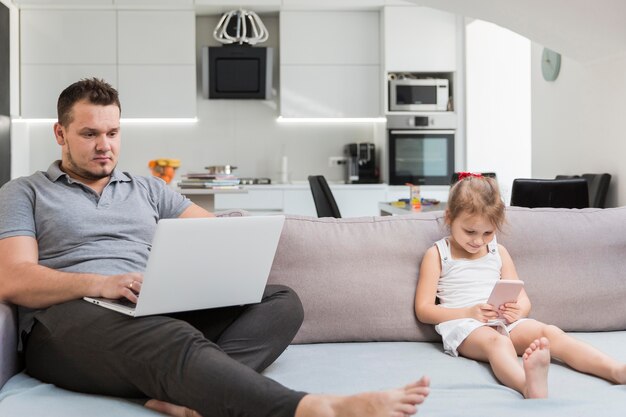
[[361, 163]]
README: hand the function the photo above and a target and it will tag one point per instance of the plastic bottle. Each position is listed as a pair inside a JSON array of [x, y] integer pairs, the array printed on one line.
[[416, 198]]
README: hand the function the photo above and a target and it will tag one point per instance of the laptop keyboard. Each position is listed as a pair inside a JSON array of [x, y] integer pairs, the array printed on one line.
[[124, 302]]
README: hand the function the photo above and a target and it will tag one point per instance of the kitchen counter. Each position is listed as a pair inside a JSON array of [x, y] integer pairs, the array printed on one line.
[[205, 197], [354, 200]]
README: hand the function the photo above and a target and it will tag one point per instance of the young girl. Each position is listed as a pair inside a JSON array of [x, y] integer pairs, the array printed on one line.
[[461, 270]]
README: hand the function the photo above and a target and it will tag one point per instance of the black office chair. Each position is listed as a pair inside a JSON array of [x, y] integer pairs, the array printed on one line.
[[323, 198], [455, 176], [598, 185], [561, 193]]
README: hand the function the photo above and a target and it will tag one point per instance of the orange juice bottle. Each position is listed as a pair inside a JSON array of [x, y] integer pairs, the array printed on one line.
[[416, 198]]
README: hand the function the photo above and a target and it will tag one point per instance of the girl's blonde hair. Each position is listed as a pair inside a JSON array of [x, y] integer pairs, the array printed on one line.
[[476, 195]]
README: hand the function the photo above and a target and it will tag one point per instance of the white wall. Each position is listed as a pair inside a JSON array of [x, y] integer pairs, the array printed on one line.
[[498, 95], [243, 133], [578, 121]]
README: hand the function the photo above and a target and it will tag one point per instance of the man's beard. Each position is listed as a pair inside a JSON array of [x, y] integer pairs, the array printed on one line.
[[84, 173]]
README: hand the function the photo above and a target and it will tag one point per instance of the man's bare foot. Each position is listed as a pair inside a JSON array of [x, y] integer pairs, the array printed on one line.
[[392, 403], [170, 409], [536, 360], [620, 374]]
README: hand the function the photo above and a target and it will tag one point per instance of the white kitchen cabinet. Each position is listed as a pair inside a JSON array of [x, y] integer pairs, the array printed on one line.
[[329, 38], [359, 200], [58, 47], [299, 201], [157, 90], [149, 56], [250, 4], [330, 64], [353, 200], [156, 38], [330, 91], [157, 71], [419, 39], [42, 84], [54, 3], [333, 4], [265, 199], [154, 3], [68, 37], [396, 192]]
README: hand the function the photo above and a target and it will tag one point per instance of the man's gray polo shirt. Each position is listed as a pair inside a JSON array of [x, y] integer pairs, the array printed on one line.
[[78, 230]]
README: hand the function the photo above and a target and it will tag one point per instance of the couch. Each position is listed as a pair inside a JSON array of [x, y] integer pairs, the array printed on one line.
[[356, 278]]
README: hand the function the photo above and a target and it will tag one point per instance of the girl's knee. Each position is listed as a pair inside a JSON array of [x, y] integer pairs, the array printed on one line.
[[497, 342], [551, 332]]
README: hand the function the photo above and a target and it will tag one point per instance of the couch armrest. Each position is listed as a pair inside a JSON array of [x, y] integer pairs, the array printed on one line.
[[8, 343]]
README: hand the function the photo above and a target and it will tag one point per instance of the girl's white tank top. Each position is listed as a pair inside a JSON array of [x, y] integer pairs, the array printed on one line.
[[467, 282]]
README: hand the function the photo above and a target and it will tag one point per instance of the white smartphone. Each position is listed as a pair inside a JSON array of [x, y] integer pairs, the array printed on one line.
[[505, 291]]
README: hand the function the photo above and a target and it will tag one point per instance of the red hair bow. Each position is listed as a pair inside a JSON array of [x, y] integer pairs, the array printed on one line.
[[468, 174]]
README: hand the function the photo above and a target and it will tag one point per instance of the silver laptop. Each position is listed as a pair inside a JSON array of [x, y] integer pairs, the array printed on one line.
[[204, 263]]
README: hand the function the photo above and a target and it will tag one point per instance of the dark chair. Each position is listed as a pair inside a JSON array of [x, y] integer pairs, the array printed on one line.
[[455, 176], [323, 198], [598, 187], [561, 193]]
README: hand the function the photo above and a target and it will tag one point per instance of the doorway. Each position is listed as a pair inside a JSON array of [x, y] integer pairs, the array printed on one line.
[[498, 102]]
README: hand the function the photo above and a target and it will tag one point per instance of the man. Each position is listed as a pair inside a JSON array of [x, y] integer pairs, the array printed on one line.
[[83, 228]]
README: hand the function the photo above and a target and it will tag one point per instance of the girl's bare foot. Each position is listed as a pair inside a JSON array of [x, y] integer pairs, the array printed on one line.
[[392, 403], [171, 409], [536, 360]]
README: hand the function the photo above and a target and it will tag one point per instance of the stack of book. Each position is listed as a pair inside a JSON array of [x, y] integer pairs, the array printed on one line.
[[205, 180]]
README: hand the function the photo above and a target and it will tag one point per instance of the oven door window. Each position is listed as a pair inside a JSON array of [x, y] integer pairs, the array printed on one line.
[[421, 158]]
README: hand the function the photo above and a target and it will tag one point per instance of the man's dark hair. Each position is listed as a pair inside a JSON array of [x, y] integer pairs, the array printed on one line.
[[93, 90]]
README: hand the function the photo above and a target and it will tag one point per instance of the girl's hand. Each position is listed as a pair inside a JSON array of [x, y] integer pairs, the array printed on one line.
[[482, 312], [511, 312]]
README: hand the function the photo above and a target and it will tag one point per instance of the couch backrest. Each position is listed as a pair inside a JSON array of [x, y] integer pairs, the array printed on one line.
[[573, 263], [356, 277]]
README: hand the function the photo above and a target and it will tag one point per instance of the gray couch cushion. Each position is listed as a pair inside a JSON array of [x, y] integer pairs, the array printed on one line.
[[357, 277], [573, 263], [460, 387], [27, 396]]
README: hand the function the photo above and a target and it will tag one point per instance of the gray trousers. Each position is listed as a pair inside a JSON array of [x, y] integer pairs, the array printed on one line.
[[207, 360]]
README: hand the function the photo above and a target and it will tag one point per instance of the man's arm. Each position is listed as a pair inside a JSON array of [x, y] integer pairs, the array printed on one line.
[[195, 211], [24, 282]]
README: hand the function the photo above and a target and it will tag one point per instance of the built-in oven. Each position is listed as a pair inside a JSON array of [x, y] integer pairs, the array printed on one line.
[[421, 148]]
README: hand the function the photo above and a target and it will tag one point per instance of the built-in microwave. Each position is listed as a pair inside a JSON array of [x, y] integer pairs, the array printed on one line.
[[409, 94]]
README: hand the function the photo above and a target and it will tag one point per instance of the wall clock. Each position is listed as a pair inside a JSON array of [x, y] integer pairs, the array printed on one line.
[[550, 64]]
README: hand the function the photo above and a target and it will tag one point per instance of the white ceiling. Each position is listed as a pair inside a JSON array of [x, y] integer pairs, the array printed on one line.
[[584, 30]]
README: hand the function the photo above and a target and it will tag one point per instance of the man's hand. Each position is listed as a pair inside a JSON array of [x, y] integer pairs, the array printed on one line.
[[122, 286], [482, 312]]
